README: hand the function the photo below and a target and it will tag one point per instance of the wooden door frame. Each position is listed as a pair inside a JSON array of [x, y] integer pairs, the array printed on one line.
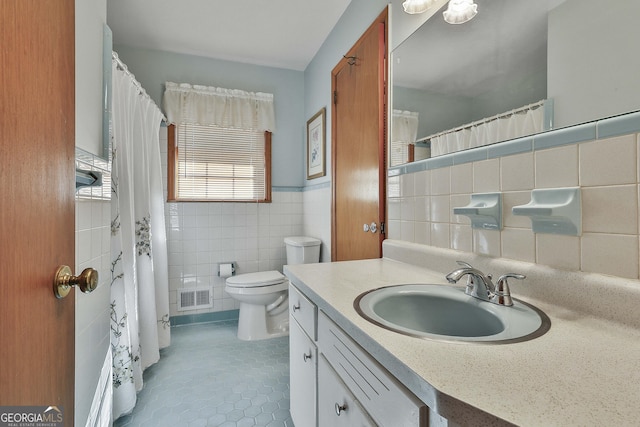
[[383, 20]]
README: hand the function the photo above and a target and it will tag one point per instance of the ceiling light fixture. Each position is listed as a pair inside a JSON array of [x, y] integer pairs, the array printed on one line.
[[460, 11], [417, 6]]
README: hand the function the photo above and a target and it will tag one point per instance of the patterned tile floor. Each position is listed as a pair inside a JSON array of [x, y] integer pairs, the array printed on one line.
[[207, 377]]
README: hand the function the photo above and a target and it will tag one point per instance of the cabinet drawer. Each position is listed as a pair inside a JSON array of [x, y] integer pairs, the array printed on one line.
[[304, 311], [337, 407], [303, 357], [382, 395]]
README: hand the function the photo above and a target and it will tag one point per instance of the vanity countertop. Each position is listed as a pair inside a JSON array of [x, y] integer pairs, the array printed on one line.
[[584, 371]]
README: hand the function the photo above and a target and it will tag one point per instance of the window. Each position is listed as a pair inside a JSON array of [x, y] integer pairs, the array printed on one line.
[[213, 163], [226, 156]]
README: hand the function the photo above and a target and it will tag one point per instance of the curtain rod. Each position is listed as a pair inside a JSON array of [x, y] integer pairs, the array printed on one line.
[[486, 120], [123, 67]]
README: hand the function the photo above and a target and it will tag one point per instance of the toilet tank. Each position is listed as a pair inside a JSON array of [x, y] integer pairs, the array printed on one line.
[[302, 250]]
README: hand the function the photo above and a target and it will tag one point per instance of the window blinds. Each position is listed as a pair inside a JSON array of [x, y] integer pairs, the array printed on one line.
[[215, 163]]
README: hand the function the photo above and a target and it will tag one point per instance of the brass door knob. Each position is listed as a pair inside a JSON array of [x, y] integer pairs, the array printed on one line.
[[87, 281]]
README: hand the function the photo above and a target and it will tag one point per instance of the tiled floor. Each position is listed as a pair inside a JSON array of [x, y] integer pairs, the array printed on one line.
[[207, 377]]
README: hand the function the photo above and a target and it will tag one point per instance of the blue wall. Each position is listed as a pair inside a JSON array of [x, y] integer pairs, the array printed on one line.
[[317, 77], [298, 95], [153, 68]]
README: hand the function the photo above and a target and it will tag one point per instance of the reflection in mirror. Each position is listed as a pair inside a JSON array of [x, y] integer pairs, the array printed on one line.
[[518, 68], [107, 51]]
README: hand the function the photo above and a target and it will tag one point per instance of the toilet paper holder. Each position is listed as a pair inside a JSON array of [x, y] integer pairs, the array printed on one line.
[[226, 269]]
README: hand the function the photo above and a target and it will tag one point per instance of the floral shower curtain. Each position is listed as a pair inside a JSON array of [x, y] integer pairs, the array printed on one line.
[[139, 277]]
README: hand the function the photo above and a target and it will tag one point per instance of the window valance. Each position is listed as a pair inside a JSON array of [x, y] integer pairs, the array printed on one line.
[[404, 127], [232, 108]]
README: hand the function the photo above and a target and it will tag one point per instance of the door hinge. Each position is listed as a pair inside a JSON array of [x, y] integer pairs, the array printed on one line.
[[335, 96], [382, 228]]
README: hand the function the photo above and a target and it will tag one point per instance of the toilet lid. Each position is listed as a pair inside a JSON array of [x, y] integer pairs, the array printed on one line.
[[302, 241], [250, 280]]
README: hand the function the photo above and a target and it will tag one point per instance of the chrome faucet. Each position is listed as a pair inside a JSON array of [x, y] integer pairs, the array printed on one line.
[[480, 285]]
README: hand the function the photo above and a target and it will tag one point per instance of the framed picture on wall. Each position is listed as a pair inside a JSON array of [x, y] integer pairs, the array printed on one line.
[[315, 145]]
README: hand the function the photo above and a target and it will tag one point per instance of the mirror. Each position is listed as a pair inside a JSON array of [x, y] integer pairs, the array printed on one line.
[[519, 67], [107, 50]]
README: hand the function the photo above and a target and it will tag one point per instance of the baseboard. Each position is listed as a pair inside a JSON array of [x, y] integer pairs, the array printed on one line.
[[216, 316]]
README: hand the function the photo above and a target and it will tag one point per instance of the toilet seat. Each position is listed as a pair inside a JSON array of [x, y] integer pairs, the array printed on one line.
[[256, 280]]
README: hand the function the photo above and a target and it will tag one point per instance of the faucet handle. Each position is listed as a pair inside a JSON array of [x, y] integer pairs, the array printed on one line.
[[512, 275], [464, 264], [502, 294], [467, 265]]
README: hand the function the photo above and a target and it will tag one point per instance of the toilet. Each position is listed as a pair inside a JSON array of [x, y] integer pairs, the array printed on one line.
[[264, 296]]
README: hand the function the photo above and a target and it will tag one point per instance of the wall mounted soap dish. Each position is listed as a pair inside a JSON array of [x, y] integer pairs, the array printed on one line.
[[554, 211], [484, 210]]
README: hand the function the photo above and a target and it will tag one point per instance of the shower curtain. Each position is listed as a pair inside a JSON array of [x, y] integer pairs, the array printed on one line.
[[523, 121], [139, 277]]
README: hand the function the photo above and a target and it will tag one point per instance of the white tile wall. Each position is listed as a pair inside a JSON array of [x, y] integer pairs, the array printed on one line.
[[608, 161], [486, 176], [517, 172], [200, 236], [92, 322], [557, 167], [607, 170]]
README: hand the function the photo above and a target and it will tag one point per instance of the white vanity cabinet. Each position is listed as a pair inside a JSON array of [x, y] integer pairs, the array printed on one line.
[[303, 359], [334, 382]]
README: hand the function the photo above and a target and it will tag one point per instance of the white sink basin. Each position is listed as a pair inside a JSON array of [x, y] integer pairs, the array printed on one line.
[[446, 313]]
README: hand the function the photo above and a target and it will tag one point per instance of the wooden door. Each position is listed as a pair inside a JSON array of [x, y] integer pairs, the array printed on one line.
[[358, 147], [37, 234]]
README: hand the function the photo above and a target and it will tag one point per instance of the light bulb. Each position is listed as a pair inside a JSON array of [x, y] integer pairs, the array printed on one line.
[[416, 6], [460, 11]]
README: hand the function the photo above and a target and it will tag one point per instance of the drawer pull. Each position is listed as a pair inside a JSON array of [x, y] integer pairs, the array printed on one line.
[[340, 408], [295, 307], [306, 357]]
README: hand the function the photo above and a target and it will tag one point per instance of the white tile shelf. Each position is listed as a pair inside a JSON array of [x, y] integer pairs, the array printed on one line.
[[554, 211], [484, 211]]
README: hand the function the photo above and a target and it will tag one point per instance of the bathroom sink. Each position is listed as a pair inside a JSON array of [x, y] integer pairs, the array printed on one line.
[[446, 313]]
